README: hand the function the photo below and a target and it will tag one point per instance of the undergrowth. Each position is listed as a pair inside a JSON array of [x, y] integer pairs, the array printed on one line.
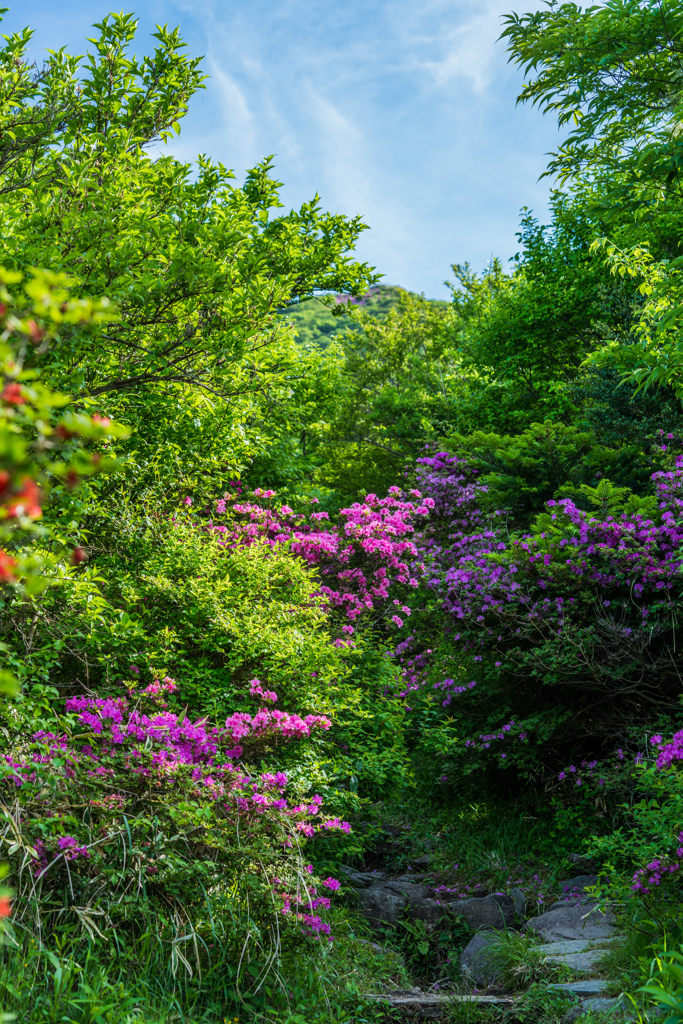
[[106, 983]]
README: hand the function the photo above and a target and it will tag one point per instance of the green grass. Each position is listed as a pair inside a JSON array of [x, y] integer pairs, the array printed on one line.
[[68, 981]]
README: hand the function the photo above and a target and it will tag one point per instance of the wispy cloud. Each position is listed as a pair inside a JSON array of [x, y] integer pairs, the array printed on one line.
[[466, 43], [402, 112]]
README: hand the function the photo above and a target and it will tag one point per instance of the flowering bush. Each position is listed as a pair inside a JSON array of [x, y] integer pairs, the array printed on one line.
[[544, 645], [361, 558], [642, 852], [127, 808]]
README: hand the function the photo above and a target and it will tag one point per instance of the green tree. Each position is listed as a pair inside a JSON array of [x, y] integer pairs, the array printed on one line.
[[399, 383], [197, 266], [613, 72]]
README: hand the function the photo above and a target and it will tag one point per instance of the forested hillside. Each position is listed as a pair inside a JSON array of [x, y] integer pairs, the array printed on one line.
[[338, 626], [315, 324]]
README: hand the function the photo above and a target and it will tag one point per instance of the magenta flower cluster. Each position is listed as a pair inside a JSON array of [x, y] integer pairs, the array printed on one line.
[[649, 878], [114, 754], [361, 557]]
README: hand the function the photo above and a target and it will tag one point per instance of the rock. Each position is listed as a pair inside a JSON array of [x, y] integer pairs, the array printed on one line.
[[382, 900], [475, 960], [572, 923], [412, 889], [576, 954], [597, 1005], [422, 908], [429, 911], [505, 902], [561, 948], [362, 879], [573, 901], [380, 906], [578, 961], [518, 902], [383, 905], [584, 863], [424, 1006], [591, 987], [425, 860], [486, 911], [580, 882]]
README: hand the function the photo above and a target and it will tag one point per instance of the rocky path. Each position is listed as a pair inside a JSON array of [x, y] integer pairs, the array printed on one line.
[[572, 932]]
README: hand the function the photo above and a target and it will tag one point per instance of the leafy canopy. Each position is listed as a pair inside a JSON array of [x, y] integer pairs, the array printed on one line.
[[614, 73]]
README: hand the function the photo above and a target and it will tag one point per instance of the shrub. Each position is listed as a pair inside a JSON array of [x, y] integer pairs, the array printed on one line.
[[128, 816], [530, 650]]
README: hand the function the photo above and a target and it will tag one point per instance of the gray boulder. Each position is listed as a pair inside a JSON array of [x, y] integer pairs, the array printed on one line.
[[384, 904], [422, 908], [572, 923], [429, 911], [381, 906], [475, 959], [361, 879], [518, 901], [413, 890], [496, 911], [383, 900]]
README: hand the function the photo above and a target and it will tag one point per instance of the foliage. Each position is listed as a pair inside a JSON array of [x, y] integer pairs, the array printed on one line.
[[653, 357], [613, 73], [523, 471], [126, 813], [529, 330], [516, 960], [38, 446], [410, 561], [197, 266], [665, 984], [399, 387], [550, 642]]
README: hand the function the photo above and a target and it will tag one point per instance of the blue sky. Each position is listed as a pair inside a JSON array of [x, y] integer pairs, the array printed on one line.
[[403, 112]]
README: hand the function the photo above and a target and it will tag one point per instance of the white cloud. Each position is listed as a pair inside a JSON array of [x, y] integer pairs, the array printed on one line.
[[403, 112], [470, 49]]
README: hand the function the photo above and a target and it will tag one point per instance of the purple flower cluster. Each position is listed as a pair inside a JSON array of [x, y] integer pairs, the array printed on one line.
[[649, 878], [68, 845], [669, 752]]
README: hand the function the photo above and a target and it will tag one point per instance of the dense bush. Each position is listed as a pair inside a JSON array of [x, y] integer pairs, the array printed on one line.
[[547, 644], [127, 813]]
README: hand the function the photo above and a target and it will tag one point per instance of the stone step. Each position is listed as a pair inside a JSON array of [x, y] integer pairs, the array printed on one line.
[[619, 1009], [430, 1006], [579, 954], [560, 948], [602, 1005], [589, 987], [578, 961]]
